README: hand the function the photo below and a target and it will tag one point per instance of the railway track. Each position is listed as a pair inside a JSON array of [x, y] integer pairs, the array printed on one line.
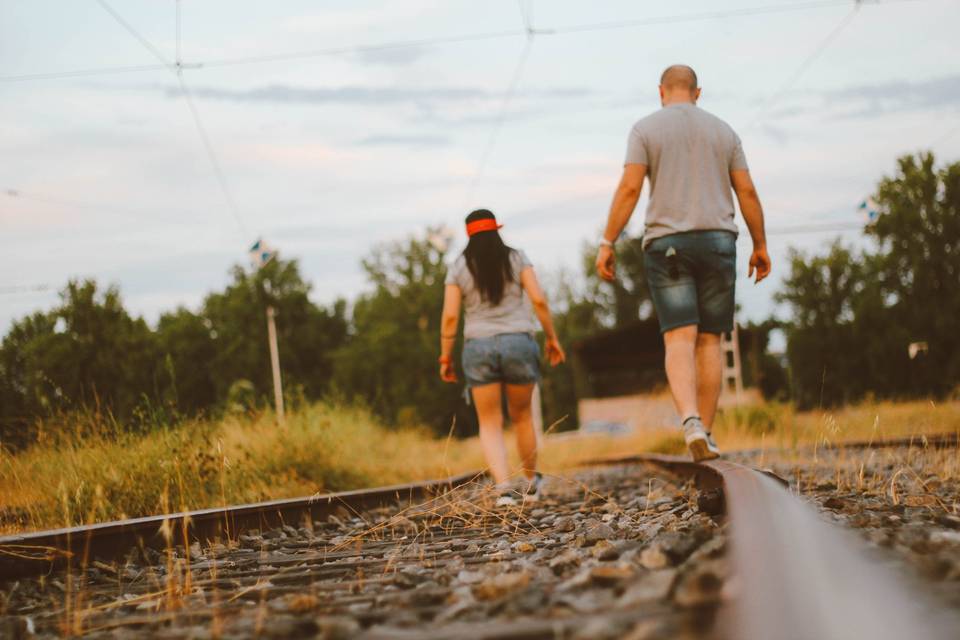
[[638, 547]]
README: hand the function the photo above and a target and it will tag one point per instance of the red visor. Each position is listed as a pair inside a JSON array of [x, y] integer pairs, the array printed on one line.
[[486, 224]]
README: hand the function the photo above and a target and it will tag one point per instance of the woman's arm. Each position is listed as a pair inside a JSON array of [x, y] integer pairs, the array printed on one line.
[[448, 331], [528, 279]]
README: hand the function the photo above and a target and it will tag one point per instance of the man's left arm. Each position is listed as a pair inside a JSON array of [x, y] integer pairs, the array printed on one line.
[[624, 202]]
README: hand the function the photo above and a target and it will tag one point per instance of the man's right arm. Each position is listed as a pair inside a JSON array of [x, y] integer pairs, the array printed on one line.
[[624, 202], [753, 215]]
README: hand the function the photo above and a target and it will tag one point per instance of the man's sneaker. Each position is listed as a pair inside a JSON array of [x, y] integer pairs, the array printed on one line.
[[532, 493], [712, 445], [699, 442]]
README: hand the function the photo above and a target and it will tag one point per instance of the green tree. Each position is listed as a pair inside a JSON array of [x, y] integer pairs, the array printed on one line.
[[391, 359], [237, 349], [855, 315], [918, 265], [86, 353]]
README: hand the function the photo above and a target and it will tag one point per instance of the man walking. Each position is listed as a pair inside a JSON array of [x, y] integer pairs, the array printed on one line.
[[693, 160]]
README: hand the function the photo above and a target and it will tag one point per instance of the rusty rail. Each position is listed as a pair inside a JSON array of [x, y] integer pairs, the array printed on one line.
[[796, 576], [35, 553]]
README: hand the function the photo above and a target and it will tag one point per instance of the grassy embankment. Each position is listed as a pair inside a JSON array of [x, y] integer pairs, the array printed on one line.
[[323, 448]]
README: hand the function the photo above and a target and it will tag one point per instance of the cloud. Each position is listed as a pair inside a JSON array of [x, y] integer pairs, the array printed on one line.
[[353, 95], [405, 141], [873, 100], [392, 57], [902, 95], [338, 95]]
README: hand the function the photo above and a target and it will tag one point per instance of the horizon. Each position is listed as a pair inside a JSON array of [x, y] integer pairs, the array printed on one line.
[[114, 183]]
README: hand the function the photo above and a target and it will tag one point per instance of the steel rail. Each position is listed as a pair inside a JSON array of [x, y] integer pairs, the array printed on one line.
[[39, 552], [797, 577], [794, 576]]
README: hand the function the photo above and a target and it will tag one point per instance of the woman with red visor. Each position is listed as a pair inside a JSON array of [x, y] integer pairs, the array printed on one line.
[[500, 354]]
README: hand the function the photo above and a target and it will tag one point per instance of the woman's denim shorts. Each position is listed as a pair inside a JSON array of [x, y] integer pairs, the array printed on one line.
[[691, 277], [511, 358]]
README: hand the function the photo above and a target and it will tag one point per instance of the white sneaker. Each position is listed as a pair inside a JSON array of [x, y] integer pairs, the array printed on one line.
[[507, 495], [506, 500], [532, 493], [701, 445], [711, 445]]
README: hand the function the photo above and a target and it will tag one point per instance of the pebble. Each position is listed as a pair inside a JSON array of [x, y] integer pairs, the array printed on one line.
[[651, 586]]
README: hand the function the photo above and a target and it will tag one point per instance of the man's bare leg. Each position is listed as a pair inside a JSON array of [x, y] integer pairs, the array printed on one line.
[[680, 361], [709, 376]]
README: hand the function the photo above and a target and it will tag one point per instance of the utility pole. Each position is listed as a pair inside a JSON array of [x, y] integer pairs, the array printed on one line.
[[275, 363], [260, 255]]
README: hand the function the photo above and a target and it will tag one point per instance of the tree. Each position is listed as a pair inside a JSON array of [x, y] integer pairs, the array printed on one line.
[[88, 352], [855, 315], [237, 348], [391, 359], [918, 265], [583, 311]]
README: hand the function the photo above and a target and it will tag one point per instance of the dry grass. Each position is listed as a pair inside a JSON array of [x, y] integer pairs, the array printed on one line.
[[105, 476], [775, 426], [204, 464]]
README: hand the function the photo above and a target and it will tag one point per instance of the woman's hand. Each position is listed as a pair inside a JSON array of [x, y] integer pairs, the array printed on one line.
[[447, 372], [554, 351]]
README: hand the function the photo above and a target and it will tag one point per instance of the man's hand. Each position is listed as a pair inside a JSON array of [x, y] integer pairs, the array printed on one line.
[[606, 263], [759, 263]]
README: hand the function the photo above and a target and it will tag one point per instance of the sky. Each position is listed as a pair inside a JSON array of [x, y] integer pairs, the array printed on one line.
[[106, 175]]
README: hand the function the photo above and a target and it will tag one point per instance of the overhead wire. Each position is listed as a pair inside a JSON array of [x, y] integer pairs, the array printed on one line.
[[24, 288], [526, 14], [143, 41], [444, 40], [812, 57], [695, 17], [177, 68]]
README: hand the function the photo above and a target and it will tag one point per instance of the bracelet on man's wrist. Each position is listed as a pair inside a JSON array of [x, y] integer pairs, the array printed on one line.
[[605, 243], [445, 360]]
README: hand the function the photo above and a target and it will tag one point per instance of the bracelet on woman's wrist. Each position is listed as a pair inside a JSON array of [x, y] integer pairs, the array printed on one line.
[[445, 360]]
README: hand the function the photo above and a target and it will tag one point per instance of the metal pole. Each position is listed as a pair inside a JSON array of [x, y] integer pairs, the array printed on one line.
[[275, 363]]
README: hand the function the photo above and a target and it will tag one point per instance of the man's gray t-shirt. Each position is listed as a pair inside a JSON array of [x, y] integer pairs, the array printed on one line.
[[512, 315], [689, 154]]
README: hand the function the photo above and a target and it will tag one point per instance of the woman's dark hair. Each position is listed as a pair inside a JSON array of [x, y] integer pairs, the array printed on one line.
[[488, 260]]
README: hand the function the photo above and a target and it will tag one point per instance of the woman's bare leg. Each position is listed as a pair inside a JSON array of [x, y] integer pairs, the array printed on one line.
[[518, 400], [486, 399]]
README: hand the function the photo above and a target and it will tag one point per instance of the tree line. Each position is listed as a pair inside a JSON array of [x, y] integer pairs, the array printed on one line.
[[852, 316]]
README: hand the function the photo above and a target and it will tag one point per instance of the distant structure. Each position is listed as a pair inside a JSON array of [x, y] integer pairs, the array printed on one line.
[[619, 377], [732, 373]]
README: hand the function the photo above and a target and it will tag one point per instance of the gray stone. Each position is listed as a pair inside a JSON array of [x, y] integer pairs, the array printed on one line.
[[650, 587]]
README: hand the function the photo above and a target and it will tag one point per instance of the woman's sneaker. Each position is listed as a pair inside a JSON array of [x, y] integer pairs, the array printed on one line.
[[699, 441], [506, 494], [507, 499], [532, 493]]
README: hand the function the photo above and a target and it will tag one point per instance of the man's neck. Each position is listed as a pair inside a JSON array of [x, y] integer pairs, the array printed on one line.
[[672, 101]]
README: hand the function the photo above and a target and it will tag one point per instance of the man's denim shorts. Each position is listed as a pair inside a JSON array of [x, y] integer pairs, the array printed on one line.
[[511, 358], [692, 277]]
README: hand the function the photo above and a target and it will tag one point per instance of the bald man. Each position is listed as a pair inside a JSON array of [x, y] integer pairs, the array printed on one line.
[[695, 163]]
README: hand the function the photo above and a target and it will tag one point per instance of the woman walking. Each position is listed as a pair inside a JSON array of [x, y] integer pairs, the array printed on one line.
[[500, 354]]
